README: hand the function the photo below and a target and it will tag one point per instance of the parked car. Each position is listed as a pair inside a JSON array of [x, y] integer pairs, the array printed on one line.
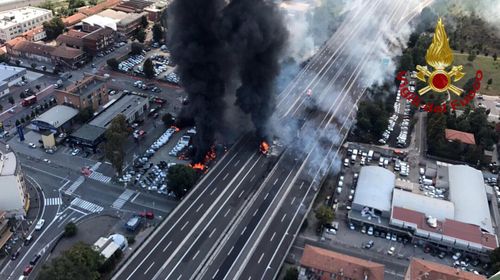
[[391, 251], [39, 224]]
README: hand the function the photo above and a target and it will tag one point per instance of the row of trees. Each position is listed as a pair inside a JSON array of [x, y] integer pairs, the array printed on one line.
[[35, 112]]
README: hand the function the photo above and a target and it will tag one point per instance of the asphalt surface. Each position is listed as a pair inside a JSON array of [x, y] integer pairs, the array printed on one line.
[[230, 227]]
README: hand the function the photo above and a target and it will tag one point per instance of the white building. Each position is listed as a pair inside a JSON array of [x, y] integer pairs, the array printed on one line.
[[9, 75], [17, 21], [14, 199]]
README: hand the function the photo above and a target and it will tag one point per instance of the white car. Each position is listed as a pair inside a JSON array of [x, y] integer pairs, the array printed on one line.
[[339, 190], [32, 145], [75, 152], [39, 224], [391, 251]]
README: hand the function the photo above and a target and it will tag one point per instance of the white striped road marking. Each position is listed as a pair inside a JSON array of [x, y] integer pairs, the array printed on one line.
[[53, 201], [276, 181], [212, 192], [227, 174], [237, 163], [122, 199], [292, 200], [96, 165], [228, 253], [253, 177], [75, 185], [168, 245], [283, 218], [187, 222], [98, 176], [145, 272], [212, 233], [86, 205], [260, 259], [199, 207], [228, 210], [195, 255], [266, 196], [243, 230], [215, 274], [272, 237], [241, 193]]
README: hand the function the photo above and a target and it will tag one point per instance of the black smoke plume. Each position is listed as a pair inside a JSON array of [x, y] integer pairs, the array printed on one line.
[[215, 44]]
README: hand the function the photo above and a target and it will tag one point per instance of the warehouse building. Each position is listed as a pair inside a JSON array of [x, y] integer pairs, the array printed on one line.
[[56, 119], [132, 106]]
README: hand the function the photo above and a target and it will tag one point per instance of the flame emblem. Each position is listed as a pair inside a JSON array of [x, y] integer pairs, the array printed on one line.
[[440, 57]]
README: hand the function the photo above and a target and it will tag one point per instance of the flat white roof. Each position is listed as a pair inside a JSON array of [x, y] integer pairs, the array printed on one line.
[[7, 164], [375, 185], [7, 71], [57, 115], [468, 194], [101, 21], [436, 208], [13, 17]]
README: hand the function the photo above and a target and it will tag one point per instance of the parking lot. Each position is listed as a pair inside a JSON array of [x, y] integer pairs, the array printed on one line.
[[383, 240]]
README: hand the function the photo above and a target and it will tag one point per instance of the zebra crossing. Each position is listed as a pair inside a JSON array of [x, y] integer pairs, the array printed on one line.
[[122, 199], [75, 185], [86, 205], [53, 201], [98, 176], [96, 165]]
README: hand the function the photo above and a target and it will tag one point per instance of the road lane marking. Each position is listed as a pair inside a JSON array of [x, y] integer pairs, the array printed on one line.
[[253, 177], [266, 196], [230, 250], [260, 259], [293, 200], [180, 276], [199, 207], [227, 174], [146, 272], [195, 255], [215, 274], [255, 213], [237, 163], [241, 193], [300, 187], [212, 192], [272, 237], [228, 210], [283, 218], [276, 181], [243, 230], [182, 228], [212, 233], [168, 245]]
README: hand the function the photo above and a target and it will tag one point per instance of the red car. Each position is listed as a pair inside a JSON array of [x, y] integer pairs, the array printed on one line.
[[147, 214], [27, 270]]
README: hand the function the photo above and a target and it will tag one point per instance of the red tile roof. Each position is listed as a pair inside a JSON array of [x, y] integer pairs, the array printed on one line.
[[332, 262], [11, 43], [66, 52], [74, 19], [34, 48], [426, 270], [456, 135], [451, 228], [99, 7], [76, 33], [31, 33], [69, 40]]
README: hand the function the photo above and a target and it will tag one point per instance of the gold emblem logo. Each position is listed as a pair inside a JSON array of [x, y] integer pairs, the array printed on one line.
[[440, 57]]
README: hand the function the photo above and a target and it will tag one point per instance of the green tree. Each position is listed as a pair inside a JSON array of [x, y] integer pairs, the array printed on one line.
[[115, 135], [53, 27], [325, 214], [80, 262], [471, 56], [70, 229], [33, 65], [73, 4], [291, 274], [495, 57], [168, 119], [18, 62], [4, 58], [11, 100], [144, 21], [136, 48], [113, 63], [92, 2], [49, 5], [495, 260], [157, 32], [18, 122], [22, 95], [38, 87], [85, 115], [148, 68], [181, 179], [141, 35]]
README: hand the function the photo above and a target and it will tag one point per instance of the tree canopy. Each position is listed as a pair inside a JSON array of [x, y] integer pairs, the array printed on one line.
[[181, 178], [157, 32], [291, 274], [78, 263], [53, 27], [148, 68], [325, 214], [168, 119], [113, 63], [136, 48], [141, 35], [115, 135]]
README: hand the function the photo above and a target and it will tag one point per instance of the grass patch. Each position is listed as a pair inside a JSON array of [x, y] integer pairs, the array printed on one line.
[[490, 68]]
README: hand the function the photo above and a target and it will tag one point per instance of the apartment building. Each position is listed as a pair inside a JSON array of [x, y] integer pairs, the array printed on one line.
[[15, 22]]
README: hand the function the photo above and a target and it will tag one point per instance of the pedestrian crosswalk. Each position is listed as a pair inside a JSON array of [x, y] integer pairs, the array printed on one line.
[[53, 201], [122, 199], [98, 176], [96, 165], [75, 185], [86, 205]]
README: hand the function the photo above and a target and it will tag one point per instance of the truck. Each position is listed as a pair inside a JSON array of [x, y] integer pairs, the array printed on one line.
[[133, 223], [28, 101]]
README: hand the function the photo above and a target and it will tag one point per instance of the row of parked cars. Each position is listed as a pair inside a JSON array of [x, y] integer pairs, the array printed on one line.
[[183, 143], [173, 78], [130, 62]]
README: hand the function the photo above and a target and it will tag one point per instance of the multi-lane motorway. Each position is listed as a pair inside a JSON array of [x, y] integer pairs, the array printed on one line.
[[241, 219]]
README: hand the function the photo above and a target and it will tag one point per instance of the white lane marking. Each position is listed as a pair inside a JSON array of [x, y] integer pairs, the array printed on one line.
[[228, 210], [241, 193], [225, 176], [255, 213], [199, 207], [253, 177], [146, 272], [243, 231], [230, 250], [215, 274], [182, 228], [168, 245], [300, 187], [272, 237], [293, 200], [260, 259], [195, 255], [276, 181], [237, 163], [212, 233], [212, 192], [283, 218], [266, 196], [180, 276]]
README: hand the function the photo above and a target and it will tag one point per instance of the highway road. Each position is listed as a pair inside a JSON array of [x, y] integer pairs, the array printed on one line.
[[236, 224]]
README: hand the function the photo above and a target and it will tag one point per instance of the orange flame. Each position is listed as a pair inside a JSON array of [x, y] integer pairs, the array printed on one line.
[[264, 147], [198, 166], [175, 127]]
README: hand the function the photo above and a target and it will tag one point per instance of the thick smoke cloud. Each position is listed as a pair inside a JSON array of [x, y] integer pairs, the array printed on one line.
[[217, 45]]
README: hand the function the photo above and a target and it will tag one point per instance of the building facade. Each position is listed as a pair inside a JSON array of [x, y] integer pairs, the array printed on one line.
[[91, 91], [15, 22], [14, 200]]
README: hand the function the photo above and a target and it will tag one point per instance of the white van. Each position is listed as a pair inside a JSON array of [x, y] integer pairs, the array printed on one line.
[[370, 155]]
